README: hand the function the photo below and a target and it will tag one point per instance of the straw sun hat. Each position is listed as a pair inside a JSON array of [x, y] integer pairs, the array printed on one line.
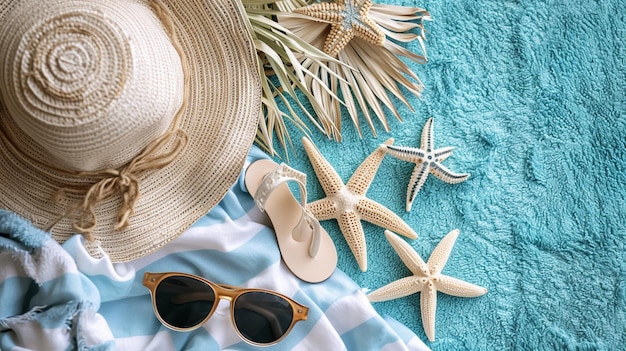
[[123, 120]]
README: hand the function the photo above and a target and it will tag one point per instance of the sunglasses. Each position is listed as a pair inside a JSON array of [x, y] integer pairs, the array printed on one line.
[[183, 302]]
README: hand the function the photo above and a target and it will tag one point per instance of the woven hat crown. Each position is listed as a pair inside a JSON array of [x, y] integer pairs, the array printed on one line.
[[90, 83], [123, 120]]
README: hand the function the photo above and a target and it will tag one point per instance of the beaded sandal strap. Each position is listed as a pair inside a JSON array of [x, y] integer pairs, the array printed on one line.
[[281, 175], [277, 177]]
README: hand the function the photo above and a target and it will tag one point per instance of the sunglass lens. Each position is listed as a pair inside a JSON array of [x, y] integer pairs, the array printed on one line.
[[262, 317], [183, 302]]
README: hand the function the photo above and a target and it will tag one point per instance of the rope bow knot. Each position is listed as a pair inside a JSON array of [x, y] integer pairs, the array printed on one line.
[[124, 182]]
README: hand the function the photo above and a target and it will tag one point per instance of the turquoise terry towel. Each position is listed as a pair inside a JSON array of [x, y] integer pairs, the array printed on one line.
[[532, 94]]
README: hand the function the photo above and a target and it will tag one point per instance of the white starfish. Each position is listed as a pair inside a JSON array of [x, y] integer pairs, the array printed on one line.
[[427, 279], [426, 161], [347, 202]]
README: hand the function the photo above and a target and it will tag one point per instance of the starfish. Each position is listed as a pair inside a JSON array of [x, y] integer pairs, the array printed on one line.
[[427, 279], [426, 161], [348, 19], [347, 202]]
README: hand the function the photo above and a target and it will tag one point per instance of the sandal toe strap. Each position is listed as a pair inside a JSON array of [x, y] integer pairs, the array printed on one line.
[[308, 223]]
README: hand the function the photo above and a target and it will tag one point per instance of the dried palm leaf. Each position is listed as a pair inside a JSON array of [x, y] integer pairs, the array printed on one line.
[[284, 75], [359, 70], [377, 71]]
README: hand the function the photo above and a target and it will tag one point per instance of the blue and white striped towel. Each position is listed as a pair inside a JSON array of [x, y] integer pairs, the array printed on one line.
[[60, 298]]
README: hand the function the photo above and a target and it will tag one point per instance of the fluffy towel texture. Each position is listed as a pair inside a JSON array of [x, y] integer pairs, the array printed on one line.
[[230, 245], [532, 95]]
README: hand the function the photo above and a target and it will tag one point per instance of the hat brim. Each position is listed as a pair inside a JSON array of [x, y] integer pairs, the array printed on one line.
[[221, 120]]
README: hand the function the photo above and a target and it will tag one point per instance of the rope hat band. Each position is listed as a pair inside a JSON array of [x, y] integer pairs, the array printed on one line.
[[123, 120]]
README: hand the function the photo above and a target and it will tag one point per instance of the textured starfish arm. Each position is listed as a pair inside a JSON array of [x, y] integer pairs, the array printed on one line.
[[364, 175], [428, 136], [352, 230], [397, 289], [329, 179], [443, 153], [428, 304], [381, 216], [404, 153], [418, 178], [323, 209], [322, 12], [337, 39], [457, 287], [443, 173], [441, 253], [369, 31], [411, 259]]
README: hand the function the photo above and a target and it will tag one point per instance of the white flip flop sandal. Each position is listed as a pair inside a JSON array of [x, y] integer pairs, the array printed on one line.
[[306, 248]]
